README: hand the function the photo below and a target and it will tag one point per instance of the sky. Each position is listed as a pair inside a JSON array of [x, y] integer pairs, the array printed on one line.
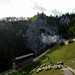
[[29, 8]]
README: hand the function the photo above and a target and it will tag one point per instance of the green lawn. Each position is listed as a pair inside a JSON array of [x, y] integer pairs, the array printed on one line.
[[50, 72], [64, 53]]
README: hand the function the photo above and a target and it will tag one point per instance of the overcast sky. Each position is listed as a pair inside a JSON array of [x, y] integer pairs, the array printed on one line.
[[28, 8]]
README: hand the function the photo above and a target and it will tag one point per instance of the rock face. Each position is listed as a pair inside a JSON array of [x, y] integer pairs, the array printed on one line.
[[44, 28], [40, 32], [35, 30], [19, 36]]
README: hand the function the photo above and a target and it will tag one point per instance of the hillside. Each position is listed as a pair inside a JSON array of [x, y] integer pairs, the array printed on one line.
[[65, 53], [19, 36], [62, 26], [12, 42]]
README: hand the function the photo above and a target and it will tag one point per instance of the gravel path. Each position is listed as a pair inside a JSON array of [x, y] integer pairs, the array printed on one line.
[[73, 70], [67, 72]]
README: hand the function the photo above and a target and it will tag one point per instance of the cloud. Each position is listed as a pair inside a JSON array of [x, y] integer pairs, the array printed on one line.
[[38, 6], [73, 11], [8, 2], [28, 8], [56, 12]]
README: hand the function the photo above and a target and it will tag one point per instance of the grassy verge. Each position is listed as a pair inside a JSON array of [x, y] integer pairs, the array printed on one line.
[[27, 69], [65, 53], [58, 53], [50, 72]]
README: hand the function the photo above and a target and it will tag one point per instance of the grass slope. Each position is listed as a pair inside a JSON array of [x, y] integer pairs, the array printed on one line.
[[64, 53], [49, 72]]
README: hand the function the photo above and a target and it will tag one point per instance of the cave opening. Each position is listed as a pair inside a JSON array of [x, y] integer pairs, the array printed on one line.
[[42, 31]]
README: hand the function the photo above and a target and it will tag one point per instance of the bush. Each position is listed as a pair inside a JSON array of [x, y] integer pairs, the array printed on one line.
[[61, 43]]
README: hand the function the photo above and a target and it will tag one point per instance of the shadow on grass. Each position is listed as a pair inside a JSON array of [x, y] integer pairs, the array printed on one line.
[[27, 69]]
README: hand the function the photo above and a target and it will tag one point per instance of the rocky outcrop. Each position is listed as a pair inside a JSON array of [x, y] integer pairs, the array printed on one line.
[[49, 26], [22, 36], [35, 29], [31, 30]]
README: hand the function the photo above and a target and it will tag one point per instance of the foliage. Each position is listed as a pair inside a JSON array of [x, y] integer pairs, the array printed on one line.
[[11, 44], [61, 43], [71, 30], [10, 24], [33, 18]]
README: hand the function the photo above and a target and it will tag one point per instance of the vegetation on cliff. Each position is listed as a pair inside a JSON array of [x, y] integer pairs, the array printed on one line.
[[13, 35]]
